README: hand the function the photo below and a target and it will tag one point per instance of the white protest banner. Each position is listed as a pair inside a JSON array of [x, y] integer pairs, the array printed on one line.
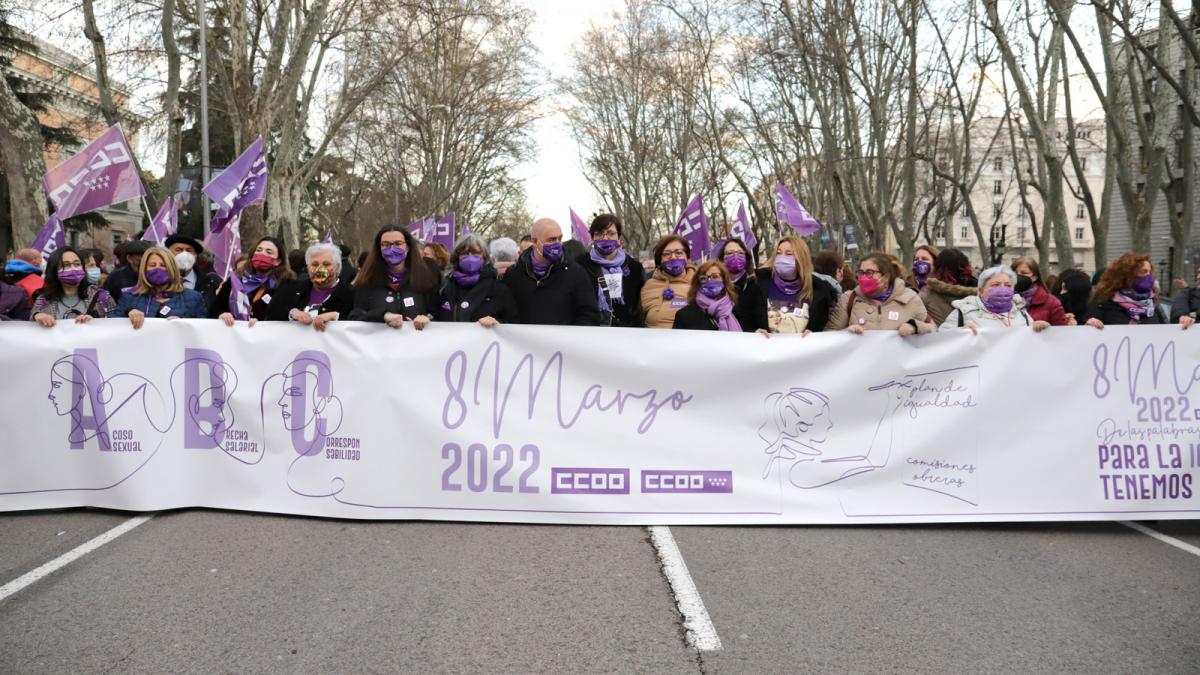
[[591, 425]]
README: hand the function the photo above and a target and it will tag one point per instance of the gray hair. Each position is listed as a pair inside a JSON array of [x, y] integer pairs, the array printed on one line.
[[504, 249], [993, 271], [468, 241], [331, 249]]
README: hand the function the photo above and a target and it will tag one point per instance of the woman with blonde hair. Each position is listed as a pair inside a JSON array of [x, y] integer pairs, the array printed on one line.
[[159, 293], [797, 300]]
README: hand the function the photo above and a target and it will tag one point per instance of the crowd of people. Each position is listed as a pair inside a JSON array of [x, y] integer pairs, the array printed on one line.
[[545, 280]]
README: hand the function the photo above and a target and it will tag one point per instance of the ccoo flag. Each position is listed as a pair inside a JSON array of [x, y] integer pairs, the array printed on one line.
[[226, 246], [165, 223], [328, 238], [693, 226], [239, 186], [102, 174], [579, 230], [741, 229], [51, 238], [443, 231], [789, 211]]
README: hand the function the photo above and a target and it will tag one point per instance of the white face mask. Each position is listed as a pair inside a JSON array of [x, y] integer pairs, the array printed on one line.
[[185, 261]]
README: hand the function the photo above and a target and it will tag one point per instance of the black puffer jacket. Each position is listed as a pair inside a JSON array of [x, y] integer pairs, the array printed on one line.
[[1187, 302], [371, 303], [563, 297], [1111, 314], [488, 297]]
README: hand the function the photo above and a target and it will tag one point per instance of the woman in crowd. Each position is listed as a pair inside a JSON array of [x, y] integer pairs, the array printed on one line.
[[829, 266], [1038, 302], [395, 284], [317, 297], [951, 279], [68, 293], [473, 292], [665, 292], [1127, 296], [159, 292], [923, 259], [93, 265], [797, 301], [751, 302], [712, 301], [1073, 288], [995, 306], [504, 253], [438, 254], [882, 301], [617, 278], [261, 274]]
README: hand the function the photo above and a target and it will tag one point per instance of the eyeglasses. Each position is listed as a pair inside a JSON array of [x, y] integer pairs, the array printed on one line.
[[391, 244], [70, 266], [711, 277], [674, 253], [870, 273]]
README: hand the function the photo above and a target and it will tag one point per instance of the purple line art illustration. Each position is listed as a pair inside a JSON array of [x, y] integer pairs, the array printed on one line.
[[797, 427], [304, 402]]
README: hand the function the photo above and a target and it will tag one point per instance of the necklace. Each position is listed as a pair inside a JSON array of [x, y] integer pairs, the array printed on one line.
[[69, 309]]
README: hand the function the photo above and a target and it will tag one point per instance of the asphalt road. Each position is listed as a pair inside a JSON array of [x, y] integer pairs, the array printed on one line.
[[211, 591]]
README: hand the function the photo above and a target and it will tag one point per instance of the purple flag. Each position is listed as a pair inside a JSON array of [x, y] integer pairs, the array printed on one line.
[[102, 174], [51, 238], [693, 226], [239, 302], [226, 246], [579, 230], [240, 185], [466, 227], [789, 211], [742, 230], [328, 238], [443, 231], [416, 228], [165, 223]]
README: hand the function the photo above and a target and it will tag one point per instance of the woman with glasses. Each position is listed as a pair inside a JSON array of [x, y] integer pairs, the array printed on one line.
[[881, 301], [665, 292], [751, 302], [712, 302], [159, 293], [472, 292], [395, 283], [616, 277], [68, 293], [797, 300], [996, 306]]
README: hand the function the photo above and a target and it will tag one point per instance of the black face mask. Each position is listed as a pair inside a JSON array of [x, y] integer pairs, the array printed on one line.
[[1023, 283]]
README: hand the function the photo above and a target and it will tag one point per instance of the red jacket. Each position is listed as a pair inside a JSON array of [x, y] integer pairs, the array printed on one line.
[[1046, 307], [32, 283]]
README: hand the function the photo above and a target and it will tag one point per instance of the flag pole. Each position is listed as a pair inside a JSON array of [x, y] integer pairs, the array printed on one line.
[[204, 167]]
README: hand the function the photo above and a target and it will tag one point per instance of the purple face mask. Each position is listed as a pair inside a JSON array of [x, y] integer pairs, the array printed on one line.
[[735, 262], [922, 268], [1143, 283], [470, 263], [71, 277], [157, 276], [674, 266], [999, 300], [606, 247], [785, 265], [394, 256], [553, 252], [712, 289]]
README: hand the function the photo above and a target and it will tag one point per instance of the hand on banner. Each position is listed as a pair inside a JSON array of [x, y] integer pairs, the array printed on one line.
[[1096, 323], [227, 319], [1039, 326], [137, 318], [420, 321], [44, 319], [488, 322], [321, 320], [394, 320], [763, 332], [301, 317], [1071, 319], [906, 330], [1186, 321], [856, 329]]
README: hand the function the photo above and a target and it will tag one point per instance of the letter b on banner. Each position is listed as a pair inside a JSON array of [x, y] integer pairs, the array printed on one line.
[[198, 362]]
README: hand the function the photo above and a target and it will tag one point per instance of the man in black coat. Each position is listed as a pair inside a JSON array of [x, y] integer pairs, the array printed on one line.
[[204, 282], [548, 288], [127, 275], [1187, 302]]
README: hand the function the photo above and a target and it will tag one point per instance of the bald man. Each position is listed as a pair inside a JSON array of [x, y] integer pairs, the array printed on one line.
[[548, 288]]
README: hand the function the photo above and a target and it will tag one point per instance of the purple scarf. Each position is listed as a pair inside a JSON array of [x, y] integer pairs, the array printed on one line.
[[463, 279], [785, 286], [397, 278], [720, 309], [609, 265], [538, 268], [318, 296], [1136, 305], [251, 282]]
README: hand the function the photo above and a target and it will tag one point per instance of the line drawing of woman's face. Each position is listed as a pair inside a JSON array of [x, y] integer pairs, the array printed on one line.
[[64, 395], [803, 421], [293, 388]]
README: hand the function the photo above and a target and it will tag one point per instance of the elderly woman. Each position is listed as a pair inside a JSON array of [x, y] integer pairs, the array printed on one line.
[[396, 285], [504, 253], [472, 292], [996, 306], [665, 292], [617, 278], [319, 298], [68, 293], [262, 273], [882, 301], [1127, 295], [159, 293]]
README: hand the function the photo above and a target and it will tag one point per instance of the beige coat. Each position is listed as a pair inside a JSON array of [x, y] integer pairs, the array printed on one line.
[[660, 313], [902, 306]]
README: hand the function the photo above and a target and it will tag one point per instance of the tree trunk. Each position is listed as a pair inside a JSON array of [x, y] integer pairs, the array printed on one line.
[[21, 149], [175, 117], [283, 208]]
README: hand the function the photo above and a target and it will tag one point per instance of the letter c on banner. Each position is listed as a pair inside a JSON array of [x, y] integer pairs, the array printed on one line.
[[308, 404]]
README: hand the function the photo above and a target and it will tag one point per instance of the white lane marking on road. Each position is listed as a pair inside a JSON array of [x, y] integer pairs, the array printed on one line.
[[701, 634], [1181, 545], [70, 556]]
